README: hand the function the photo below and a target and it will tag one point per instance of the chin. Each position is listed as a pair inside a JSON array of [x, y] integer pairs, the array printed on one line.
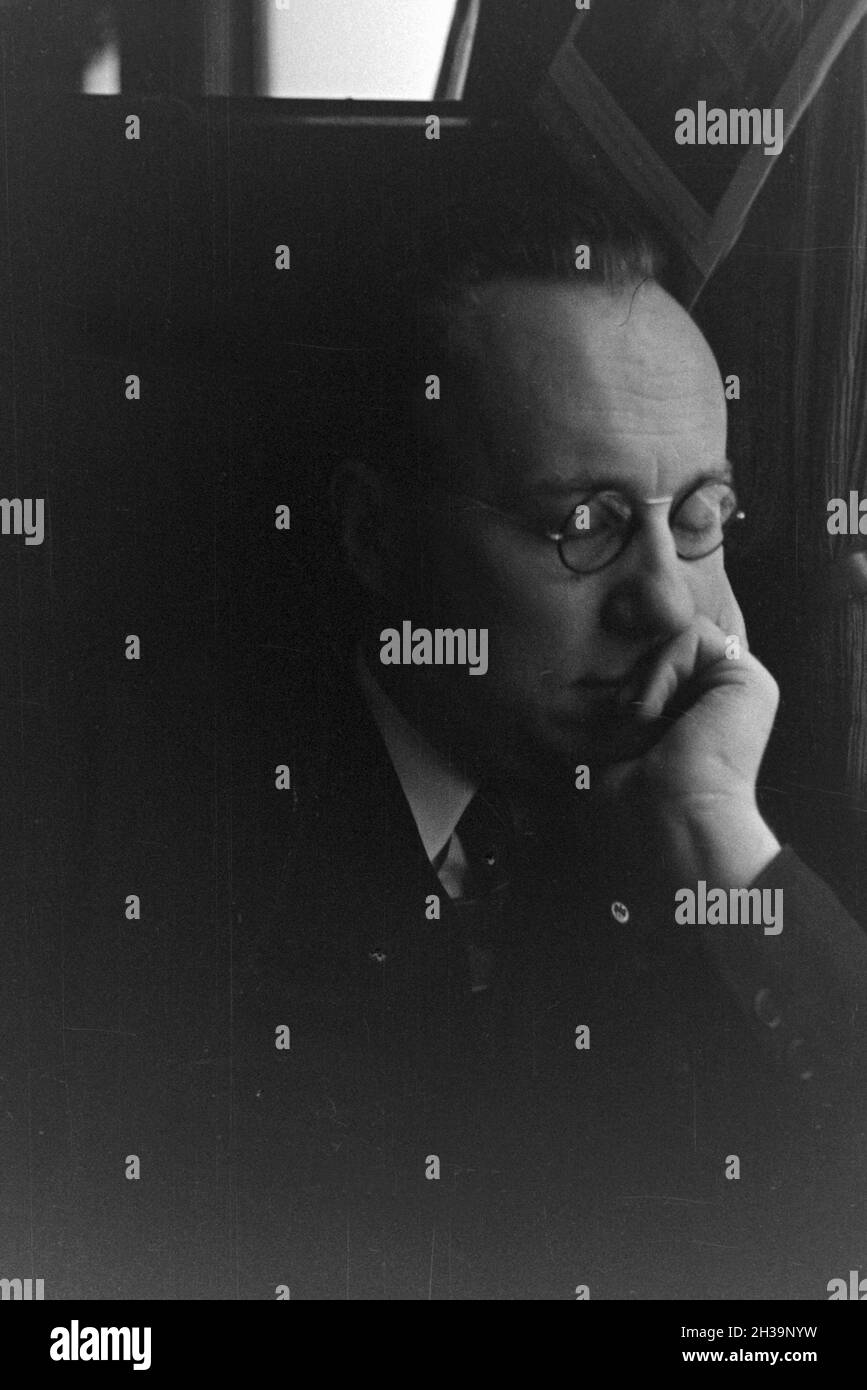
[[596, 742], [629, 744]]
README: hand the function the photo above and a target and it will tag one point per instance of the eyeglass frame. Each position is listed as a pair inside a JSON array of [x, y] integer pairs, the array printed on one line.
[[630, 529]]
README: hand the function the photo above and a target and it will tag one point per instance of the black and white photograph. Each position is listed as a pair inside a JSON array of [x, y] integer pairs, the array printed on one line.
[[434, 661]]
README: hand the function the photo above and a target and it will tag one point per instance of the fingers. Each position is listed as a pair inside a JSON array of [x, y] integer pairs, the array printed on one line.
[[698, 656], [731, 619]]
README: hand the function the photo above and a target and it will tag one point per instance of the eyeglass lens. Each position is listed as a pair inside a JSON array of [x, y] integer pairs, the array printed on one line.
[[599, 527]]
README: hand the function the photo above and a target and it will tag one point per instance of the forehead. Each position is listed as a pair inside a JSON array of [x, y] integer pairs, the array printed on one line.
[[574, 380]]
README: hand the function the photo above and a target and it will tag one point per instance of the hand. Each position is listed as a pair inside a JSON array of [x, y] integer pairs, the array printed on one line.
[[711, 715]]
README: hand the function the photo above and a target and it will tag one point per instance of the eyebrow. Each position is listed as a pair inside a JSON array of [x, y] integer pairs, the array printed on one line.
[[568, 487]]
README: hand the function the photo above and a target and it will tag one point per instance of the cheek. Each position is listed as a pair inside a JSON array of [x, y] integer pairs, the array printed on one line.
[[539, 617]]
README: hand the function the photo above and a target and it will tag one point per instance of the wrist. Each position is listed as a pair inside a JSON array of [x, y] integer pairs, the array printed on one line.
[[726, 843]]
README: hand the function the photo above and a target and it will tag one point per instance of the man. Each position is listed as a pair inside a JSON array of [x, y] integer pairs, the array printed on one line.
[[519, 1064]]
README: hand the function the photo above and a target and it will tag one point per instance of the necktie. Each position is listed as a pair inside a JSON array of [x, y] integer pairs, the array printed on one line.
[[487, 835]]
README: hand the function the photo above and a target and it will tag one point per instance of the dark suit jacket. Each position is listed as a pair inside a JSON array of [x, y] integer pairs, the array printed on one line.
[[558, 1166], [312, 1167]]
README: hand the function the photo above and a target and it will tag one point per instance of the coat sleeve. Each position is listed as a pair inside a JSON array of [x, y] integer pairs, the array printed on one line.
[[803, 989], [804, 994]]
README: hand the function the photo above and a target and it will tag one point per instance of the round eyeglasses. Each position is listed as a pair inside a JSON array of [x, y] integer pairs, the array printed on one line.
[[600, 526]]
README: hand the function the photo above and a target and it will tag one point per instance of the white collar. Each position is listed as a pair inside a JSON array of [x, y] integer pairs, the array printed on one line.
[[437, 793]]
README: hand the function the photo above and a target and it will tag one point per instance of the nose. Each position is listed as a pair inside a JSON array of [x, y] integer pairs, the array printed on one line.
[[650, 595]]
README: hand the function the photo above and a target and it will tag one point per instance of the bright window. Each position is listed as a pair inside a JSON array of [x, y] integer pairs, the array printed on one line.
[[373, 49]]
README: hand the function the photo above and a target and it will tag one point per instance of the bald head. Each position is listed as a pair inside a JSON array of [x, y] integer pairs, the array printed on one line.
[[572, 375]]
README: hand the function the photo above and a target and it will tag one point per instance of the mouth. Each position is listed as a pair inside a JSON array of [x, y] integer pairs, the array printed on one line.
[[604, 683], [634, 673]]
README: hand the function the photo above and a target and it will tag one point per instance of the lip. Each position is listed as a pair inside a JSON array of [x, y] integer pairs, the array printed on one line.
[[637, 671], [604, 683]]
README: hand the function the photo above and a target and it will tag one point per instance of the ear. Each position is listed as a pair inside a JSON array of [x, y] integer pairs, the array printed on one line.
[[363, 516]]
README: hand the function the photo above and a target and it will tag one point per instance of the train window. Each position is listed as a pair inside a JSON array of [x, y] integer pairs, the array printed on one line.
[[373, 49], [379, 50]]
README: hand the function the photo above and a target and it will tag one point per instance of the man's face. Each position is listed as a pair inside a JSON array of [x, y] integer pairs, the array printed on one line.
[[570, 388]]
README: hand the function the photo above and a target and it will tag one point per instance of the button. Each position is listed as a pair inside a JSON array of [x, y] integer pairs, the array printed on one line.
[[766, 1010], [619, 911]]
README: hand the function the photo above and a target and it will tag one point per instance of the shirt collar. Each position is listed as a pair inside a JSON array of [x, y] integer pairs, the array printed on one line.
[[437, 793]]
